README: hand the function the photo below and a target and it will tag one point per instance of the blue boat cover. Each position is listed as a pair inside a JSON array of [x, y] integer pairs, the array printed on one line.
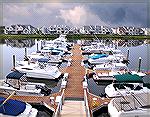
[[15, 75], [97, 56], [12, 107], [43, 60], [57, 50]]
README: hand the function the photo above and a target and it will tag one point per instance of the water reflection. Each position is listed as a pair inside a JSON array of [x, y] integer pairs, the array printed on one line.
[[2, 41], [20, 43]]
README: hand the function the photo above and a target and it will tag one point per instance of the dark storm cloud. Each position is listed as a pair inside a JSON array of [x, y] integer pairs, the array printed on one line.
[[134, 14], [111, 14]]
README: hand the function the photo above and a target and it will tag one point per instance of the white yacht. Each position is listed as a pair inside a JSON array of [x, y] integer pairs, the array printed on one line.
[[16, 81], [133, 105], [126, 84], [40, 70], [34, 57], [16, 108]]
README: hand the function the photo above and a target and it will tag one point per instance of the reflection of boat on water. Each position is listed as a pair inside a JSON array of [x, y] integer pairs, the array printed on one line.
[[16, 108], [20, 43], [16, 81]]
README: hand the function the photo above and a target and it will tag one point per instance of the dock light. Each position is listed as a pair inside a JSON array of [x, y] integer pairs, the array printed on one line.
[[106, 103], [94, 103]]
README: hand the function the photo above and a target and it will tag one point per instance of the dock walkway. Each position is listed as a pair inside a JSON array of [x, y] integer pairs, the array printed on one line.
[[76, 72], [74, 93]]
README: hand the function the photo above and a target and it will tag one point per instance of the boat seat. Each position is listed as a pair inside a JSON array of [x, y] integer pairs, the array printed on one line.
[[30, 87]]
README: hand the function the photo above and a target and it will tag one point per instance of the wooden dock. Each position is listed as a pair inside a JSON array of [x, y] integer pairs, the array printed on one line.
[[76, 75]]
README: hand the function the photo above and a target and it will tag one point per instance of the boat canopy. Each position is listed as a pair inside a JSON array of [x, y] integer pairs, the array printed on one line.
[[44, 60], [97, 56], [127, 77], [15, 75], [12, 107]]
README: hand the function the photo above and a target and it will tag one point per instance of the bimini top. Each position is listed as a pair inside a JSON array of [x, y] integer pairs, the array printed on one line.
[[127, 77], [97, 56], [15, 75], [44, 60], [12, 107]]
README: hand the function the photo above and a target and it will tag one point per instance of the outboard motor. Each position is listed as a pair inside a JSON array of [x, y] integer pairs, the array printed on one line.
[[125, 61], [44, 90], [26, 58]]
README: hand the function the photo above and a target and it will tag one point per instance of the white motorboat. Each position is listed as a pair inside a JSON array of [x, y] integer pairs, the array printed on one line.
[[113, 68], [126, 84], [133, 105], [60, 45], [16, 81], [16, 108], [102, 60], [109, 70], [34, 57], [40, 70]]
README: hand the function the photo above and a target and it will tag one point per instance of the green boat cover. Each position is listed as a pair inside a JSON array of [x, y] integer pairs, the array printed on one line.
[[127, 77]]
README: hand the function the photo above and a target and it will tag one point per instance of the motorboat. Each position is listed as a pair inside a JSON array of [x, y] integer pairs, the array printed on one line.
[[17, 81], [108, 70], [11, 108], [34, 57], [133, 105], [40, 70], [59, 44], [126, 84], [113, 68]]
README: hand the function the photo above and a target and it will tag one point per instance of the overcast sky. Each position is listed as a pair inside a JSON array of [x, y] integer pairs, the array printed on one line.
[[76, 14]]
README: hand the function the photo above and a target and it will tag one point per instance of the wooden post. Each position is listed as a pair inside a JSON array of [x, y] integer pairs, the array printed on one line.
[[139, 67], [14, 62], [128, 54], [25, 53], [37, 48]]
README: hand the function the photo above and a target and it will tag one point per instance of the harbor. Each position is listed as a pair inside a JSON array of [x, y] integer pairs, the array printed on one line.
[[75, 59], [79, 92]]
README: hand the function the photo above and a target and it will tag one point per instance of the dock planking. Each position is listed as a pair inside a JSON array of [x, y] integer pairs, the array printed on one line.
[[76, 72]]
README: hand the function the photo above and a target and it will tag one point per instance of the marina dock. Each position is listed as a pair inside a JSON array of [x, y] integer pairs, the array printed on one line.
[[73, 100]]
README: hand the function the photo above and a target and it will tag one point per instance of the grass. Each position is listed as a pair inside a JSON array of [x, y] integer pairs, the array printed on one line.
[[76, 36]]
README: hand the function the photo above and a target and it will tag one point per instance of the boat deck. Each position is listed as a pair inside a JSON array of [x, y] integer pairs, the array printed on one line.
[[132, 101]]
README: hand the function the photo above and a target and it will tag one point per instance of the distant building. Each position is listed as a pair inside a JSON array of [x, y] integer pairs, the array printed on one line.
[[64, 29], [20, 29]]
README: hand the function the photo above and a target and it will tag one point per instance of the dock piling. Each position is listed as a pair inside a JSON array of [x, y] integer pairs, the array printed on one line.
[[139, 67], [14, 62]]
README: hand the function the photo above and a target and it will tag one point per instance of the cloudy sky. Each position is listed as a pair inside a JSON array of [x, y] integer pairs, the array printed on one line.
[[76, 14]]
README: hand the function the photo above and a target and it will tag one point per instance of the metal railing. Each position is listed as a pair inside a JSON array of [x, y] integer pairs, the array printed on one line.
[[86, 104], [59, 106]]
